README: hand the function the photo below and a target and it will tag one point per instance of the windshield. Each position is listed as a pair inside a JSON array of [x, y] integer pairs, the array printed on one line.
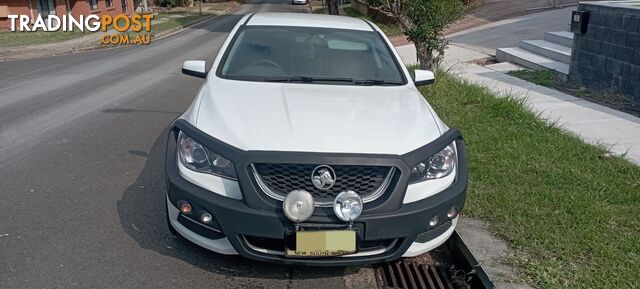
[[310, 55]]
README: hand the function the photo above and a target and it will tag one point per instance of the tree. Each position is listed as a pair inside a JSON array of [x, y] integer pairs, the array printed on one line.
[[423, 22], [332, 7]]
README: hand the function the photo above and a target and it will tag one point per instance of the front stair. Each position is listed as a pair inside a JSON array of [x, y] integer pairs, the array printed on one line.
[[554, 53]]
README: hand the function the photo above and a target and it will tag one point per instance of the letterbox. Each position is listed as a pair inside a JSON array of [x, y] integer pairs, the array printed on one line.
[[579, 21]]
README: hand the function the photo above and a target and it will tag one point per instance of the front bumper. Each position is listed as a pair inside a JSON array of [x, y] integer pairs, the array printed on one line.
[[253, 226]]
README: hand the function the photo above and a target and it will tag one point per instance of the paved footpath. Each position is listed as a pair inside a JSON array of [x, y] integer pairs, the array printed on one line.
[[594, 123]]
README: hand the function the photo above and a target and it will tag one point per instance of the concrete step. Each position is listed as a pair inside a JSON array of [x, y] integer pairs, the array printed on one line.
[[564, 38], [531, 60], [548, 49]]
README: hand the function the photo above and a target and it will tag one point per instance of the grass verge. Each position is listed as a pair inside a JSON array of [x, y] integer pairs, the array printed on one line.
[[169, 22], [569, 209], [13, 39], [549, 79]]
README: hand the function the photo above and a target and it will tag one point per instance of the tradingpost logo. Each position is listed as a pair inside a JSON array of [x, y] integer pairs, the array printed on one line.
[[139, 25]]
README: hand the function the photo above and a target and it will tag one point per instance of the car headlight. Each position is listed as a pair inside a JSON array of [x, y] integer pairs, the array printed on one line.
[[438, 166], [196, 157]]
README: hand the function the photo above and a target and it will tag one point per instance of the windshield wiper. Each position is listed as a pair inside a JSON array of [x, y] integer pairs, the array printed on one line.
[[289, 79], [371, 82], [306, 79]]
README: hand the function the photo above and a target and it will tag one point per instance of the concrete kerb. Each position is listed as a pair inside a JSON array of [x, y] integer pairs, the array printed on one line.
[[491, 252]]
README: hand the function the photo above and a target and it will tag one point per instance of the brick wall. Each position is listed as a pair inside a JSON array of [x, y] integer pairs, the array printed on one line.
[[607, 56], [16, 7], [81, 7]]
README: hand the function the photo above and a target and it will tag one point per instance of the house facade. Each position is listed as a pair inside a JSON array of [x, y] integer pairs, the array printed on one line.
[[33, 8]]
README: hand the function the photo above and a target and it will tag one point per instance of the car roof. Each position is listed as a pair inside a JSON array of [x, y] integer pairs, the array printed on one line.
[[308, 20]]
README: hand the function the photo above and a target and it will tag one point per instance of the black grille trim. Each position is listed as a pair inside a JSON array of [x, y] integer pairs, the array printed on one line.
[[433, 233], [276, 246], [201, 229], [277, 180]]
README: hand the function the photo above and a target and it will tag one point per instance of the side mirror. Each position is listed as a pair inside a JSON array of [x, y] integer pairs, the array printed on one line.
[[424, 77], [195, 68]]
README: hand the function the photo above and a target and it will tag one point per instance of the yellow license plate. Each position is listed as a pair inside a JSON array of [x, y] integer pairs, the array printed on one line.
[[323, 243]]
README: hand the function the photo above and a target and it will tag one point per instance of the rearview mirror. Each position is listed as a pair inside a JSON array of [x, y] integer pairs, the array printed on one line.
[[195, 68], [424, 77]]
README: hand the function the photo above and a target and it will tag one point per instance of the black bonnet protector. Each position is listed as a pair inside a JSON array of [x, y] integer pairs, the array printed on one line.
[[389, 202]]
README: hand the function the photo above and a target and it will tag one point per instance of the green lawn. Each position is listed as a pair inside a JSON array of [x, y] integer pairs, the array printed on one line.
[[569, 209], [174, 22], [165, 21], [12, 39], [540, 77]]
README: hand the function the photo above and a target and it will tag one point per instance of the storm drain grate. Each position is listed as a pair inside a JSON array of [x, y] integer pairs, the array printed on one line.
[[409, 275]]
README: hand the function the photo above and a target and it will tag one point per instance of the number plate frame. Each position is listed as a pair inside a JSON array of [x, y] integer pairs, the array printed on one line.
[[322, 243]]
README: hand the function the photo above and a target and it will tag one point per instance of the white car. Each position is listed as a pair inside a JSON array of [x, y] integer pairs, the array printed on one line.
[[294, 2], [309, 143]]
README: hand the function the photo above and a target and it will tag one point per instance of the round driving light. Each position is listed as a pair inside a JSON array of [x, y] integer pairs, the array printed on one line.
[[206, 218], [298, 206], [434, 221], [348, 206], [185, 208], [452, 213]]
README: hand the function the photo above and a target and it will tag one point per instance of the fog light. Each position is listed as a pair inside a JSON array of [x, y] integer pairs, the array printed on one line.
[[434, 221], [348, 206], [185, 208], [206, 218], [452, 213], [298, 206]]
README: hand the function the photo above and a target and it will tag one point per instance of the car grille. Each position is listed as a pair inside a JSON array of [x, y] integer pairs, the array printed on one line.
[[277, 180]]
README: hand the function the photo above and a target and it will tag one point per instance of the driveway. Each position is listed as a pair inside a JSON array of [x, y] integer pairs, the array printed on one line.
[[82, 139]]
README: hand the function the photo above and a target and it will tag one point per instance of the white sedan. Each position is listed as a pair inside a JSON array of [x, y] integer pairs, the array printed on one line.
[[309, 143]]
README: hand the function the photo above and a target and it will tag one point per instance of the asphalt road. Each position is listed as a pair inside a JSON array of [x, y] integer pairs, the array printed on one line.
[[82, 139]]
